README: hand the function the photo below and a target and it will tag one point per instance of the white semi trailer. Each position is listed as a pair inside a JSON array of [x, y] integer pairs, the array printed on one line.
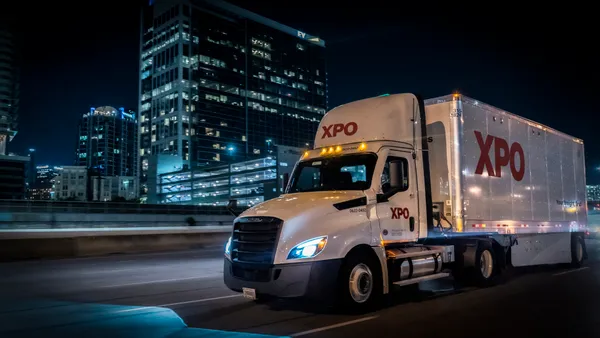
[[399, 191]]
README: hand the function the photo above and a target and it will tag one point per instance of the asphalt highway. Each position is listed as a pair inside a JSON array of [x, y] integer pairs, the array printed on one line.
[[541, 302]]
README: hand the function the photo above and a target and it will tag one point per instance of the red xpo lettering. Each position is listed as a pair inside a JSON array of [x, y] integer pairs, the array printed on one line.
[[332, 130], [503, 155], [398, 212]]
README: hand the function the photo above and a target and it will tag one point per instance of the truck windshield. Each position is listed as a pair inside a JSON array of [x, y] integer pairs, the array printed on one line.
[[347, 172]]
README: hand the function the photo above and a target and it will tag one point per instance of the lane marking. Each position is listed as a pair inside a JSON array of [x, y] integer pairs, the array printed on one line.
[[151, 282], [569, 271], [200, 300], [334, 326], [178, 303]]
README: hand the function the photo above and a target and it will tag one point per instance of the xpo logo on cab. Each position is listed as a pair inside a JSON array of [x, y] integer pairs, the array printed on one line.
[[333, 130]]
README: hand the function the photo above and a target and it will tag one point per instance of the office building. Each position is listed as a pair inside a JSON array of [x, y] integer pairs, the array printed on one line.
[[9, 88], [220, 84], [249, 182], [114, 188], [593, 193], [31, 171], [77, 183], [45, 179], [71, 184], [13, 175], [107, 142]]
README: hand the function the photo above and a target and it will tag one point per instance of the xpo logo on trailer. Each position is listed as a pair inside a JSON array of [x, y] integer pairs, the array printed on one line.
[[503, 156], [333, 130]]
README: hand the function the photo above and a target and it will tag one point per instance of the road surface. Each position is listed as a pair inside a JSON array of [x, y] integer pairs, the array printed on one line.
[[542, 302]]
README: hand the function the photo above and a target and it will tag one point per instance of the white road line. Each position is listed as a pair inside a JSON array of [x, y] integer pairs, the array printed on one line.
[[134, 309], [334, 326], [178, 303], [152, 282], [200, 300], [569, 271]]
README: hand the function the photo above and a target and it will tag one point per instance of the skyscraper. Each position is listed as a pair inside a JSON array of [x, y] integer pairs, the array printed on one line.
[[107, 142], [221, 84], [45, 178], [9, 88]]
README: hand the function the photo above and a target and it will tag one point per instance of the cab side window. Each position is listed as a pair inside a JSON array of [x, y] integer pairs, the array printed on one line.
[[395, 175]]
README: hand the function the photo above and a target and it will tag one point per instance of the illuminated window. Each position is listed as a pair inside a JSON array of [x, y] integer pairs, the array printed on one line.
[[261, 54], [260, 43]]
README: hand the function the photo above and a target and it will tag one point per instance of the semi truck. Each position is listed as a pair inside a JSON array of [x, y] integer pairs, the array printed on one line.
[[398, 190]]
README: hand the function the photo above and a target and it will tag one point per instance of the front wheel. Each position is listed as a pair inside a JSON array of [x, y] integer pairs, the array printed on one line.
[[360, 282]]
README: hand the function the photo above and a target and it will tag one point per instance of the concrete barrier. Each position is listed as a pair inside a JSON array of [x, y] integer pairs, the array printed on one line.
[[21, 245], [38, 220]]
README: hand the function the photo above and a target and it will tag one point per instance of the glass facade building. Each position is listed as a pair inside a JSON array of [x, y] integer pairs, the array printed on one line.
[[249, 182], [219, 84], [108, 142]]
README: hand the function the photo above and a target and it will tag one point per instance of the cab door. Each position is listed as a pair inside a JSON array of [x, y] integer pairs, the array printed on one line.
[[397, 203]]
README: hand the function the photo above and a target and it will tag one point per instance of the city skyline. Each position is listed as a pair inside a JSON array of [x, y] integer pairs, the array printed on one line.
[[516, 68]]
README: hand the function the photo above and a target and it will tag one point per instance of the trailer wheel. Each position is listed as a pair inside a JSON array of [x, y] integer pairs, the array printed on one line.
[[577, 251], [360, 282], [485, 269]]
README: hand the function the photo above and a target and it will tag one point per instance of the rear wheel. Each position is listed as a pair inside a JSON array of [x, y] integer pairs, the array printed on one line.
[[360, 282], [577, 251], [486, 268], [480, 265]]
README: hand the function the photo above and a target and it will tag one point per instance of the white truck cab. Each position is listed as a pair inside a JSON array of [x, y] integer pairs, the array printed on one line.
[[358, 215]]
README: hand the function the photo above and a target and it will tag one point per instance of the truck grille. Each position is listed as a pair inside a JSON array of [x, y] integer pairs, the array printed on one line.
[[254, 240]]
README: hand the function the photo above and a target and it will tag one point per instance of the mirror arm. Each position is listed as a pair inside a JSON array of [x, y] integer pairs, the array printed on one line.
[[386, 196]]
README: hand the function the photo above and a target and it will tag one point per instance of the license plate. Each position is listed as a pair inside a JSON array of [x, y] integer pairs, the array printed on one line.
[[249, 293]]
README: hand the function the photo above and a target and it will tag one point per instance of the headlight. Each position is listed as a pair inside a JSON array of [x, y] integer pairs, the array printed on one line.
[[308, 249], [228, 247]]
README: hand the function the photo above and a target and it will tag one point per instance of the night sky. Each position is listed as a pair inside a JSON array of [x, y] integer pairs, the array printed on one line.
[[541, 63]]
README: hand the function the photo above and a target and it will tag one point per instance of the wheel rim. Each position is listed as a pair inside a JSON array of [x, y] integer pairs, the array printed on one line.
[[486, 264], [579, 251], [360, 283]]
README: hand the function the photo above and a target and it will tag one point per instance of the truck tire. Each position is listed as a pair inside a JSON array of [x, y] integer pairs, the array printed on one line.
[[360, 282], [577, 251], [486, 268]]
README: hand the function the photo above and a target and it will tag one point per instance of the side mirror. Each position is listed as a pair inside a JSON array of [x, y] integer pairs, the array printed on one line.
[[231, 206]]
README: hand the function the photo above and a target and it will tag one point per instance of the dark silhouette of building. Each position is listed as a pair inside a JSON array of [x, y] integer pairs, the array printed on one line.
[[9, 87], [13, 171]]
